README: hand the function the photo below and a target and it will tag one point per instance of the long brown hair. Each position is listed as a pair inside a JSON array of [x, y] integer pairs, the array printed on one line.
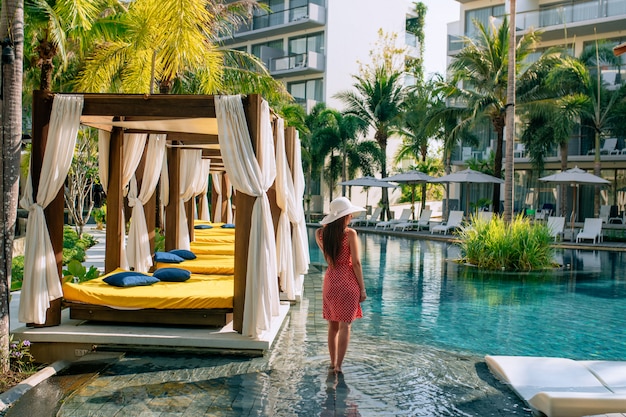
[[332, 238]]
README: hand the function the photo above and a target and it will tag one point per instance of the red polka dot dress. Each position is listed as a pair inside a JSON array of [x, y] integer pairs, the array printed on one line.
[[341, 292]]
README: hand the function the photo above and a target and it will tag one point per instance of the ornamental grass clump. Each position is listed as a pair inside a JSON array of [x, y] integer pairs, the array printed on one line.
[[515, 246]]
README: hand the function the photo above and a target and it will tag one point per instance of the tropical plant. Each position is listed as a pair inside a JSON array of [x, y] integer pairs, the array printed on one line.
[[499, 245], [376, 101], [12, 29], [81, 178], [174, 47], [479, 81], [76, 272]]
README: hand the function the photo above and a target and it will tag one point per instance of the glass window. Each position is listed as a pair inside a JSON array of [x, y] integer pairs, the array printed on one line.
[[307, 90], [275, 44], [304, 44], [481, 16]]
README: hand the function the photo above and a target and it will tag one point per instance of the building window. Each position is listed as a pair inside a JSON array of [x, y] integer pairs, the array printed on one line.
[[307, 90], [481, 16], [308, 43], [275, 44]]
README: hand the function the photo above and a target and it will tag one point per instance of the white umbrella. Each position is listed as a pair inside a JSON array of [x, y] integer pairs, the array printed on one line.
[[367, 182], [469, 176], [574, 176], [412, 178]]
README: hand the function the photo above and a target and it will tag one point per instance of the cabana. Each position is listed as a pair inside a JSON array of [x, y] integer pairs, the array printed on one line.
[[234, 132]]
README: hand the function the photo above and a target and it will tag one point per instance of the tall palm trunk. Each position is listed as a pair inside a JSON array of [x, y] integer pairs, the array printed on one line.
[[564, 149], [498, 124], [13, 12]]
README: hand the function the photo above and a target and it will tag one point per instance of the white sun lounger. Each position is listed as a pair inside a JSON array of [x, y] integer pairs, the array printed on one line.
[[559, 387]]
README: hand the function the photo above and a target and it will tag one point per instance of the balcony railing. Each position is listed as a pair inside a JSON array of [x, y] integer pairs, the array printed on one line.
[[310, 12], [310, 61], [570, 13]]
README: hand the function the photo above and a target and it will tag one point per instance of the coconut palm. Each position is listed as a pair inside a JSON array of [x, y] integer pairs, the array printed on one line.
[[11, 24], [175, 46], [376, 100], [479, 80]]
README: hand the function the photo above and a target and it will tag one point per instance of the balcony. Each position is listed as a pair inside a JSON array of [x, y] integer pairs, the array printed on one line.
[[311, 16], [299, 64], [580, 19]]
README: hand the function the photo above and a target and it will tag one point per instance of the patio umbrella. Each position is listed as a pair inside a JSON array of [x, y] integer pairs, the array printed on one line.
[[367, 182], [574, 176], [412, 178], [469, 176]]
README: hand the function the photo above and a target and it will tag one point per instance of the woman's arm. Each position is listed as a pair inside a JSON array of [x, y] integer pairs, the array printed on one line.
[[355, 253]]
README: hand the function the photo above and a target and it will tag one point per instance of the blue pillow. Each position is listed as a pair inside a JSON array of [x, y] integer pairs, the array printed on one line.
[[228, 226], [166, 257], [203, 226], [129, 279], [172, 274], [183, 253]]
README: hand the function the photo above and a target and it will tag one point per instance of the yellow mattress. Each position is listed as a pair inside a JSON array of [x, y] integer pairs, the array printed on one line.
[[212, 248], [205, 264], [198, 292]]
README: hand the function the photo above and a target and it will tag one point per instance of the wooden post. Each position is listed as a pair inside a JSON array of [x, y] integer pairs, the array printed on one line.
[[115, 229], [172, 211], [42, 109], [243, 220], [271, 192]]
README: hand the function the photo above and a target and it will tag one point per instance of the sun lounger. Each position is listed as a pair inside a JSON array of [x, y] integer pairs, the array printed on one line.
[[422, 222], [404, 217], [454, 220], [559, 387], [592, 230], [556, 224]]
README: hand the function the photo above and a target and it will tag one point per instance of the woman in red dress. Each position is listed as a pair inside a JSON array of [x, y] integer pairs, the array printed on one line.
[[343, 288]]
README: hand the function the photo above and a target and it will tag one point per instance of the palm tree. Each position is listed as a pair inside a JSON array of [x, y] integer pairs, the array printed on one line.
[[377, 102], [175, 46], [11, 24], [479, 81]]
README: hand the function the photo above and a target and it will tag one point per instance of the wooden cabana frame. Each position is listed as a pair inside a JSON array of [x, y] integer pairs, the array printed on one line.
[[186, 119]]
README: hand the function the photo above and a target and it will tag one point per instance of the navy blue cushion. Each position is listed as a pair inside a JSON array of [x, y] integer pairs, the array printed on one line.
[[167, 257], [228, 226], [183, 253], [203, 226], [129, 279], [172, 274]]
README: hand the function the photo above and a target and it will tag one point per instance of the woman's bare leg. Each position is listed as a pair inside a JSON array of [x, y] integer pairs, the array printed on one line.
[[343, 339], [333, 329]]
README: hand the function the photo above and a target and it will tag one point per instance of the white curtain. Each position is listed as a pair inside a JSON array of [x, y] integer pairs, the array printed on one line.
[[134, 145], [229, 200], [165, 188], [286, 200], [201, 183], [203, 212], [253, 178], [104, 145], [217, 187], [300, 237], [138, 247], [41, 278], [190, 160]]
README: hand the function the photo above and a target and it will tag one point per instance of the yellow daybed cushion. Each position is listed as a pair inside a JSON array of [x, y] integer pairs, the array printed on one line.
[[205, 264], [198, 292], [212, 248]]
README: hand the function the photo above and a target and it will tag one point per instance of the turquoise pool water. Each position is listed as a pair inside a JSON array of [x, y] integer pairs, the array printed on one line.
[[416, 294]]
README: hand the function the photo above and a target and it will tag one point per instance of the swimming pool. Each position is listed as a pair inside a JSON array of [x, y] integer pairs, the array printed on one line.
[[416, 295]]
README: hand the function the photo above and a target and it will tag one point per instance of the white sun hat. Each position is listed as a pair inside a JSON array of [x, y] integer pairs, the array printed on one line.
[[340, 207]]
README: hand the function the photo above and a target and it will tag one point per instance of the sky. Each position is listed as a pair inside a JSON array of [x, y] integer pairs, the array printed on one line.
[[438, 15]]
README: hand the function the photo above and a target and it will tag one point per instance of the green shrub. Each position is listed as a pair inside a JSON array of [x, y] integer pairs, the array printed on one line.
[[17, 272], [496, 245], [76, 272]]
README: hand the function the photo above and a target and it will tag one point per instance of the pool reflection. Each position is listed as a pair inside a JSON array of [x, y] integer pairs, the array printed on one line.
[[416, 292]]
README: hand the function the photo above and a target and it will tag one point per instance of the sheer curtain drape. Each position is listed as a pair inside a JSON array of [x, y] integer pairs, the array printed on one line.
[[138, 246], [104, 144], [229, 200], [203, 210], [201, 184], [190, 160], [286, 201], [217, 187], [252, 178], [41, 282], [300, 237], [134, 145]]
